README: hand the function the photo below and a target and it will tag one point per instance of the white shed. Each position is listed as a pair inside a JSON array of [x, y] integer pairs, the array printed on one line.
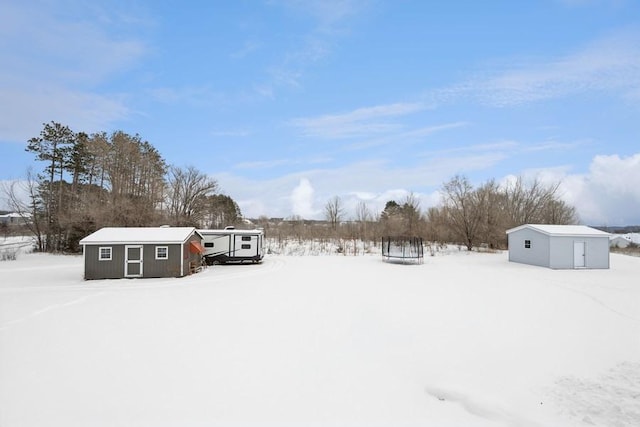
[[559, 246], [618, 241]]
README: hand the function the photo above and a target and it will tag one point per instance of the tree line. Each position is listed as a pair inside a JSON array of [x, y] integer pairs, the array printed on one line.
[[89, 181], [467, 215], [97, 180]]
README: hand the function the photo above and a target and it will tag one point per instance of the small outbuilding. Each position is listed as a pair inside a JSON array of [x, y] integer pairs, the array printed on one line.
[[129, 252], [559, 246], [619, 242]]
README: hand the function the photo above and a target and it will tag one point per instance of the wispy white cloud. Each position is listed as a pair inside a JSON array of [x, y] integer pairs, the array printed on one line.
[[283, 76], [274, 163], [327, 13], [54, 61], [405, 137], [247, 48], [22, 118], [357, 123], [610, 65], [554, 145], [76, 49], [507, 147], [501, 146], [328, 20]]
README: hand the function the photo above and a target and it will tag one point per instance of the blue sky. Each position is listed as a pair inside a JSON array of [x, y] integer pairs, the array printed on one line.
[[287, 103]]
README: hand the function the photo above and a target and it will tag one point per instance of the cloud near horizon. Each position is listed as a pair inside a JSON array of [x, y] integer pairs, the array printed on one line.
[[606, 195], [302, 200], [609, 193]]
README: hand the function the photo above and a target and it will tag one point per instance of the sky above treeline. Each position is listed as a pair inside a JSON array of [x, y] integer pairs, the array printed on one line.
[[288, 103]]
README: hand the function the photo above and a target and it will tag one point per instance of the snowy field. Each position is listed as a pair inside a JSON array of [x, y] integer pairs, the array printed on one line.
[[461, 340]]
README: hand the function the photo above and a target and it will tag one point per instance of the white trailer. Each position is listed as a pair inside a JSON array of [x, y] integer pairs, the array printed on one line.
[[231, 245]]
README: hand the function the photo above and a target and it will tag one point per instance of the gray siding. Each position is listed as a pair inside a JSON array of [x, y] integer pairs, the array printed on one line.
[[538, 254], [178, 264], [170, 267], [96, 269]]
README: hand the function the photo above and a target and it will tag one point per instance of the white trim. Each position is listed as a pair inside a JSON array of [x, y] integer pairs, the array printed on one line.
[[84, 262], [126, 260], [583, 245], [100, 248], [164, 258], [182, 248], [562, 230]]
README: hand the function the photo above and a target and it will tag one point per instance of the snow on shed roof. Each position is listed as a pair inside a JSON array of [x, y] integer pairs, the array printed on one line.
[[562, 230], [139, 235]]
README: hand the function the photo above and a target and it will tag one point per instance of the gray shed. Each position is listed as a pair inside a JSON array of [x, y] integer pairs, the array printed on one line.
[[559, 246], [119, 252]]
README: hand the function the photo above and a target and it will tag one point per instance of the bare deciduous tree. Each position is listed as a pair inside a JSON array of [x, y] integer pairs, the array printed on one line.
[[534, 202], [333, 212], [363, 217], [30, 210], [462, 209], [187, 191], [410, 212], [483, 215]]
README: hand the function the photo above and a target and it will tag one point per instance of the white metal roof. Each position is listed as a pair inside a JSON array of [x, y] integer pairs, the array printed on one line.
[[562, 230], [133, 235], [230, 231]]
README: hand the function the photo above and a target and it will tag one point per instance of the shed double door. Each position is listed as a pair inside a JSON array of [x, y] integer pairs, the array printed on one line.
[[133, 261]]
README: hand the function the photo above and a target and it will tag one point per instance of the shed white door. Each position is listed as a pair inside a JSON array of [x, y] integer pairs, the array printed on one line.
[[578, 255], [133, 261]]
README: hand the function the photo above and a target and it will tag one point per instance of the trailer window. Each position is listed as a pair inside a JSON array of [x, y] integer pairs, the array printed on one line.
[[208, 244], [527, 244], [104, 254], [162, 252], [246, 246], [246, 238]]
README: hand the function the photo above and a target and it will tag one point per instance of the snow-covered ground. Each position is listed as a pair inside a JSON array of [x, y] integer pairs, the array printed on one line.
[[465, 339], [12, 246]]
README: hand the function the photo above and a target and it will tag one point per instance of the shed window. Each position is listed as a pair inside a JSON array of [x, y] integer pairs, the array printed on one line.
[[246, 238], [104, 254], [246, 246], [162, 252], [527, 244], [208, 244]]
